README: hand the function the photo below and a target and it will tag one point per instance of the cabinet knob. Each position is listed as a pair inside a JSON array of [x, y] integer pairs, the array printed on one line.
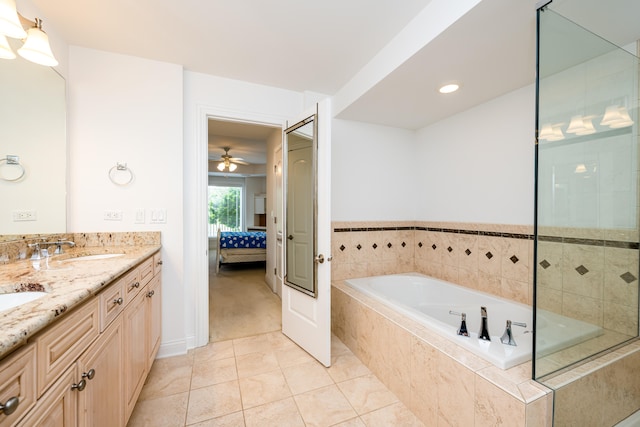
[[80, 386], [10, 405], [160, 262], [135, 285], [118, 301], [89, 375], [150, 293]]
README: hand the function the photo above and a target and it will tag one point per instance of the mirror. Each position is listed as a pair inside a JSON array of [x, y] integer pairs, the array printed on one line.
[[33, 134], [300, 206]]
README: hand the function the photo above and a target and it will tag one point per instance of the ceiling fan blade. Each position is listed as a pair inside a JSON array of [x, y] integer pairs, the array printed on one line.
[[238, 160]]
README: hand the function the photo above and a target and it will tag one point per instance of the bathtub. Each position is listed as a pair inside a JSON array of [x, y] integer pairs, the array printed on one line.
[[428, 301]]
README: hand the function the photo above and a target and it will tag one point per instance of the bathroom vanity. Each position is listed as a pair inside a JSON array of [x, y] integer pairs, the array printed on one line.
[[80, 354]]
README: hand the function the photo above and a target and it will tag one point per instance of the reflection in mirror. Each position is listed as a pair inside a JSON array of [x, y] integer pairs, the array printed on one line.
[[33, 129], [300, 268]]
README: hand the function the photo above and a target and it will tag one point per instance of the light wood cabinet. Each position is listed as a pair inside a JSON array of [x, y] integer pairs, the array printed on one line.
[[88, 369], [18, 384]]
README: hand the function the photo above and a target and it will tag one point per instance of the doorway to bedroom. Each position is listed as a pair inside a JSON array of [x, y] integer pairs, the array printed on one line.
[[240, 194]]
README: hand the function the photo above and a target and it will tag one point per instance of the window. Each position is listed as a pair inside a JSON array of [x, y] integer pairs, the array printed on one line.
[[225, 209]]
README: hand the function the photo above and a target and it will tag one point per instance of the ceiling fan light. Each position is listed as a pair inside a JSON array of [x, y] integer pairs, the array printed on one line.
[[232, 167], [220, 166]]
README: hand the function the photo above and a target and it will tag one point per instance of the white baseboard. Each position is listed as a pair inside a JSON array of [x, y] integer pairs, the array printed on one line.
[[172, 348]]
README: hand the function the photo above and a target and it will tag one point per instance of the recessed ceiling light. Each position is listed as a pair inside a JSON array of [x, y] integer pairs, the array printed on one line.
[[449, 88]]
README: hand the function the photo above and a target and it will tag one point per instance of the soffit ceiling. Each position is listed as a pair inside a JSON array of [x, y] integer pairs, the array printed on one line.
[[490, 50]]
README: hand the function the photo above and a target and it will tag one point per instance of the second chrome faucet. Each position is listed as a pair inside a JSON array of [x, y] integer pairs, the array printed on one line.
[[484, 327]]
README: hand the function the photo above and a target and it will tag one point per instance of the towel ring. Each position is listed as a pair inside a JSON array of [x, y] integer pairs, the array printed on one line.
[[121, 167], [13, 161]]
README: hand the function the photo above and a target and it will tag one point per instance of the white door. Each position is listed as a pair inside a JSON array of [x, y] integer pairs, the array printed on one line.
[[306, 315], [278, 218]]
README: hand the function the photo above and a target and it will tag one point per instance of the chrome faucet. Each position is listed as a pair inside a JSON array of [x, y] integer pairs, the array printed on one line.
[[38, 252], [507, 337], [59, 243], [484, 328], [463, 323]]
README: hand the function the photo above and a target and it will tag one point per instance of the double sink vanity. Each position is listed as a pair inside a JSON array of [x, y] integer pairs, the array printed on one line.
[[79, 331]]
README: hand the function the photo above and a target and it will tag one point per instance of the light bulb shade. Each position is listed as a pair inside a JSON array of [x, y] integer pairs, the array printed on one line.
[[588, 127], [550, 133], [576, 125], [9, 22], [613, 115], [232, 167], [36, 48], [221, 166], [5, 50], [625, 119]]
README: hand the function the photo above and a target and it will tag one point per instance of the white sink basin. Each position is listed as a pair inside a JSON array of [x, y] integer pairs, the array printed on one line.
[[14, 299], [93, 257]]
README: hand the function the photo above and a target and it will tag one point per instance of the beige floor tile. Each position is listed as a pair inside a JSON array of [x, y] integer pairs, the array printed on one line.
[[306, 376], [292, 356], [337, 346], [367, 394], [213, 401], [153, 412], [235, 419], [254, 344], [264, 388], [215, 351], [168, 376], [282, 413], [324, 407], [346, 366], [393, 415], [354, 422], [256, 363], [210, 372]]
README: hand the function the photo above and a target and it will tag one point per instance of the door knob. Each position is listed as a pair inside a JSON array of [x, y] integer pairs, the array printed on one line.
[[290, 237], [320, 258]]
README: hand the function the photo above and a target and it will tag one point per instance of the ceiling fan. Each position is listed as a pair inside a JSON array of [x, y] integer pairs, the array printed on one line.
[[229, 163]]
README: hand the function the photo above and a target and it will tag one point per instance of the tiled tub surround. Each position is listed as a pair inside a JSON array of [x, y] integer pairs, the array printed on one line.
[[440, 382], [503, 266], [491, 258], [67, 285]]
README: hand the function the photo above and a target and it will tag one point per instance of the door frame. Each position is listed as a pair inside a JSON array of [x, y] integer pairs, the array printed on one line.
[[200, 263]]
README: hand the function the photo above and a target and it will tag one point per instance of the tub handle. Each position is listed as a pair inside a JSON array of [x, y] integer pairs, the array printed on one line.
[[462, 330], [507, 336]]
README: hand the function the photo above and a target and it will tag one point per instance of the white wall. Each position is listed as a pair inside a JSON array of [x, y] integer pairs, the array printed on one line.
[[478, 166], [372, 172], [127, 109], [254, 185]]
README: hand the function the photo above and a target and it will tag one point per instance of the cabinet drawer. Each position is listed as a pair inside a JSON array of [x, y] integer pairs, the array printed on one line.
[[131, 285], [157, 263], [146, 271], [111, 304], [62, 343], [18, 379]]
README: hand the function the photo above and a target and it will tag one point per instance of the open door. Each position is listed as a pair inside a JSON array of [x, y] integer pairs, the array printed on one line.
[[306, 294]]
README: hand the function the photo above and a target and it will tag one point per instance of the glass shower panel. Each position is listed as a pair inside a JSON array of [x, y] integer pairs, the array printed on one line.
[[586, 195]]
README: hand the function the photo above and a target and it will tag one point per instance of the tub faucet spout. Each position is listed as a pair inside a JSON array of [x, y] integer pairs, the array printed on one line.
[[484, 328]]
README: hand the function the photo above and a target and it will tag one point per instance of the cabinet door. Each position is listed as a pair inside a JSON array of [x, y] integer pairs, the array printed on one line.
[[135, 349], [58, 406], [18, 380], [154, 319], [101, 402]]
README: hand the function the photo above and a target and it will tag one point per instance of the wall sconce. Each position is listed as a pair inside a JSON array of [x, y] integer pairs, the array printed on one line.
[[36, 46]]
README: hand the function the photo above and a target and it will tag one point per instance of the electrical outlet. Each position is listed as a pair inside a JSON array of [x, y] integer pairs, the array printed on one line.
[[24, 216], [158, 216], [139, 216], [112, 215]]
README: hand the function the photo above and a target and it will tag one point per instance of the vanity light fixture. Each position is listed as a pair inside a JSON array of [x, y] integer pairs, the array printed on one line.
[[581, 125], [550, 133], [449, 88], [36, 46], [616, 117]]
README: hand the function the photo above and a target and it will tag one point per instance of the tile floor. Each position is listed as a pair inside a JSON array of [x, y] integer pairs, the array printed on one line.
[[252, 375]]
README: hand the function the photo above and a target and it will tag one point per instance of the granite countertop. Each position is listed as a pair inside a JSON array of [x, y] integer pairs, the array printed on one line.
[[68, 283]]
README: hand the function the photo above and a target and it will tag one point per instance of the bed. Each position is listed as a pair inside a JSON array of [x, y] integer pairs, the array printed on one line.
[[241, 246]]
